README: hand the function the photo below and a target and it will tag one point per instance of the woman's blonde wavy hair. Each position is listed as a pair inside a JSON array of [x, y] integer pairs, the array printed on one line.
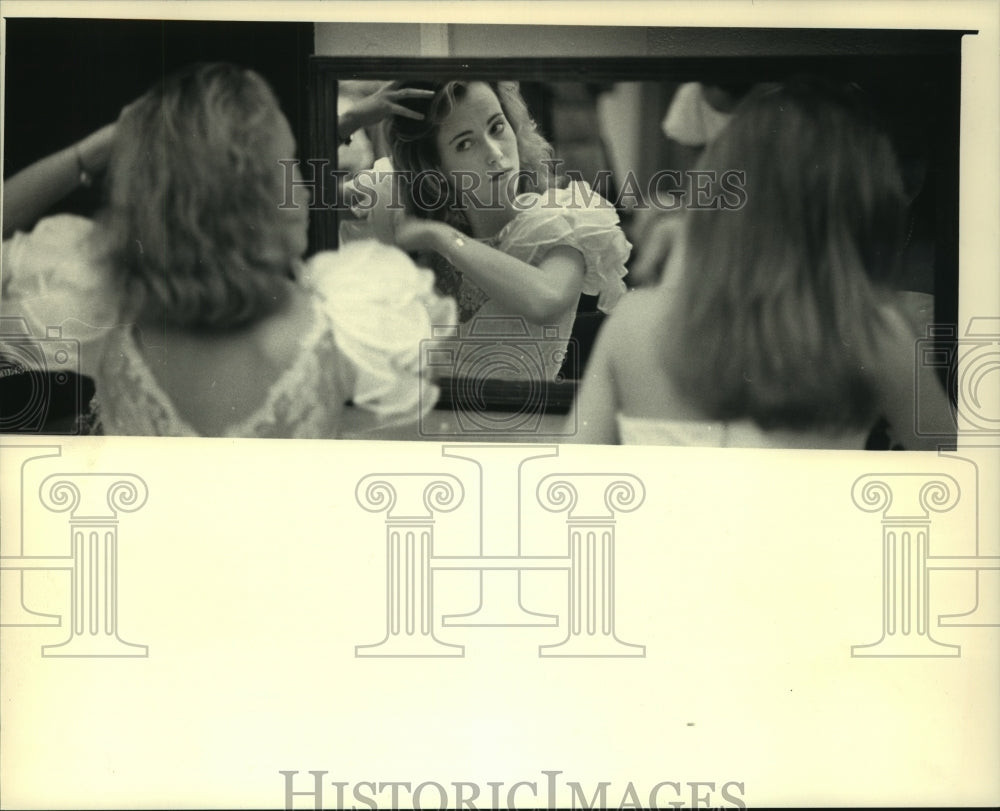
[[191, 223], [414, 146]]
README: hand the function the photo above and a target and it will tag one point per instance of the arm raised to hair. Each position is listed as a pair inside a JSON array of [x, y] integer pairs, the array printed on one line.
[[32, 191], [375, 107], [541, 295]]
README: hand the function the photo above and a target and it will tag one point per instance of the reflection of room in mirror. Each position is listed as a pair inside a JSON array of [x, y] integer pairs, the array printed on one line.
[[639, 142]]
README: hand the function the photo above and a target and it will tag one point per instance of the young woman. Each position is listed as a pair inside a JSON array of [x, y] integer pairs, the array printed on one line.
[[188, 295], [780, 327], [508, 242]]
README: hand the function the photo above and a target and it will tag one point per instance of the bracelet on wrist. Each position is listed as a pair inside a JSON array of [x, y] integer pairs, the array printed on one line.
[[345, 130], [455, 241], [85, 176]]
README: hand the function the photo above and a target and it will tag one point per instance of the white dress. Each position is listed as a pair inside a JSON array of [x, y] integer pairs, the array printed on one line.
[[577, 217], [737, 434], [492, 341], [372, 308]]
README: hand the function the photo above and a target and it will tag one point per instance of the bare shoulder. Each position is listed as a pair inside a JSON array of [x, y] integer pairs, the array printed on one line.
[[635, 326], [636, 311], [279, 336]]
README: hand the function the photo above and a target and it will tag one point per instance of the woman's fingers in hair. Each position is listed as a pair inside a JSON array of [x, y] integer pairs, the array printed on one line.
[[396, 95], [406, 112], [410, 93]]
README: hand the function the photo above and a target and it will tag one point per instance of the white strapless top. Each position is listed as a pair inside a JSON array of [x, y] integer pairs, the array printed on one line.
[[740, 434]]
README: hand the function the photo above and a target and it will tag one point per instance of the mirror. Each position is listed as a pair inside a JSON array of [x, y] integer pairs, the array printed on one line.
[[609, 123]]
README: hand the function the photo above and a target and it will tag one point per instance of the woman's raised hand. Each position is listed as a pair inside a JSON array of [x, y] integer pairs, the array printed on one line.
[[35, 189], [383, 103]]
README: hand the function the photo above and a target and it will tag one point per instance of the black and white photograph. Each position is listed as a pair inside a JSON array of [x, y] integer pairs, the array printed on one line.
[[641, 362], [232, 229]]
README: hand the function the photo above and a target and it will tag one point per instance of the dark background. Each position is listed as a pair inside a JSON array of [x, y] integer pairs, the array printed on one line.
[[67, 78]]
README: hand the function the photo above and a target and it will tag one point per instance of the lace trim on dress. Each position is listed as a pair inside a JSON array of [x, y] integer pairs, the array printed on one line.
[[373, 309], [295, 401], [291, 407], [138, 405]]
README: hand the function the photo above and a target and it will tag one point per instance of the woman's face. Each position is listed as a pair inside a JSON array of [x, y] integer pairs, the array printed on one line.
[[478, 150]]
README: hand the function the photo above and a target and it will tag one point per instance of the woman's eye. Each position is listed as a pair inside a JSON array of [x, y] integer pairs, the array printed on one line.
[[499, 127], [463, 145]]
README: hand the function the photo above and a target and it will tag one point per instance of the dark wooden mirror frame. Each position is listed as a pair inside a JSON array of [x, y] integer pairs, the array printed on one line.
[[923, 65]]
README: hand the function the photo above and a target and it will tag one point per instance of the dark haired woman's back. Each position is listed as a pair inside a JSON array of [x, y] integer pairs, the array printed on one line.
[[631, 396], [775, 323]]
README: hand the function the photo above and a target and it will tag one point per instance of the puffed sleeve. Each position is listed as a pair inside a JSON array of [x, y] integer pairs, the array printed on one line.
[[580, 218], [54, 283], [382, 307]]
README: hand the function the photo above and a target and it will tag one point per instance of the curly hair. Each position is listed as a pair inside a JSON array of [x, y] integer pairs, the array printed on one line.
[[414, 146], [191, 225], [780, 304]]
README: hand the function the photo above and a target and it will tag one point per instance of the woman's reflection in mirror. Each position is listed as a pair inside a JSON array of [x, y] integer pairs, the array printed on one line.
[[514, 244]]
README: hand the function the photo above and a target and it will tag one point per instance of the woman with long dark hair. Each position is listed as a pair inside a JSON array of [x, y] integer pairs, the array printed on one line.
[[779, 327]]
